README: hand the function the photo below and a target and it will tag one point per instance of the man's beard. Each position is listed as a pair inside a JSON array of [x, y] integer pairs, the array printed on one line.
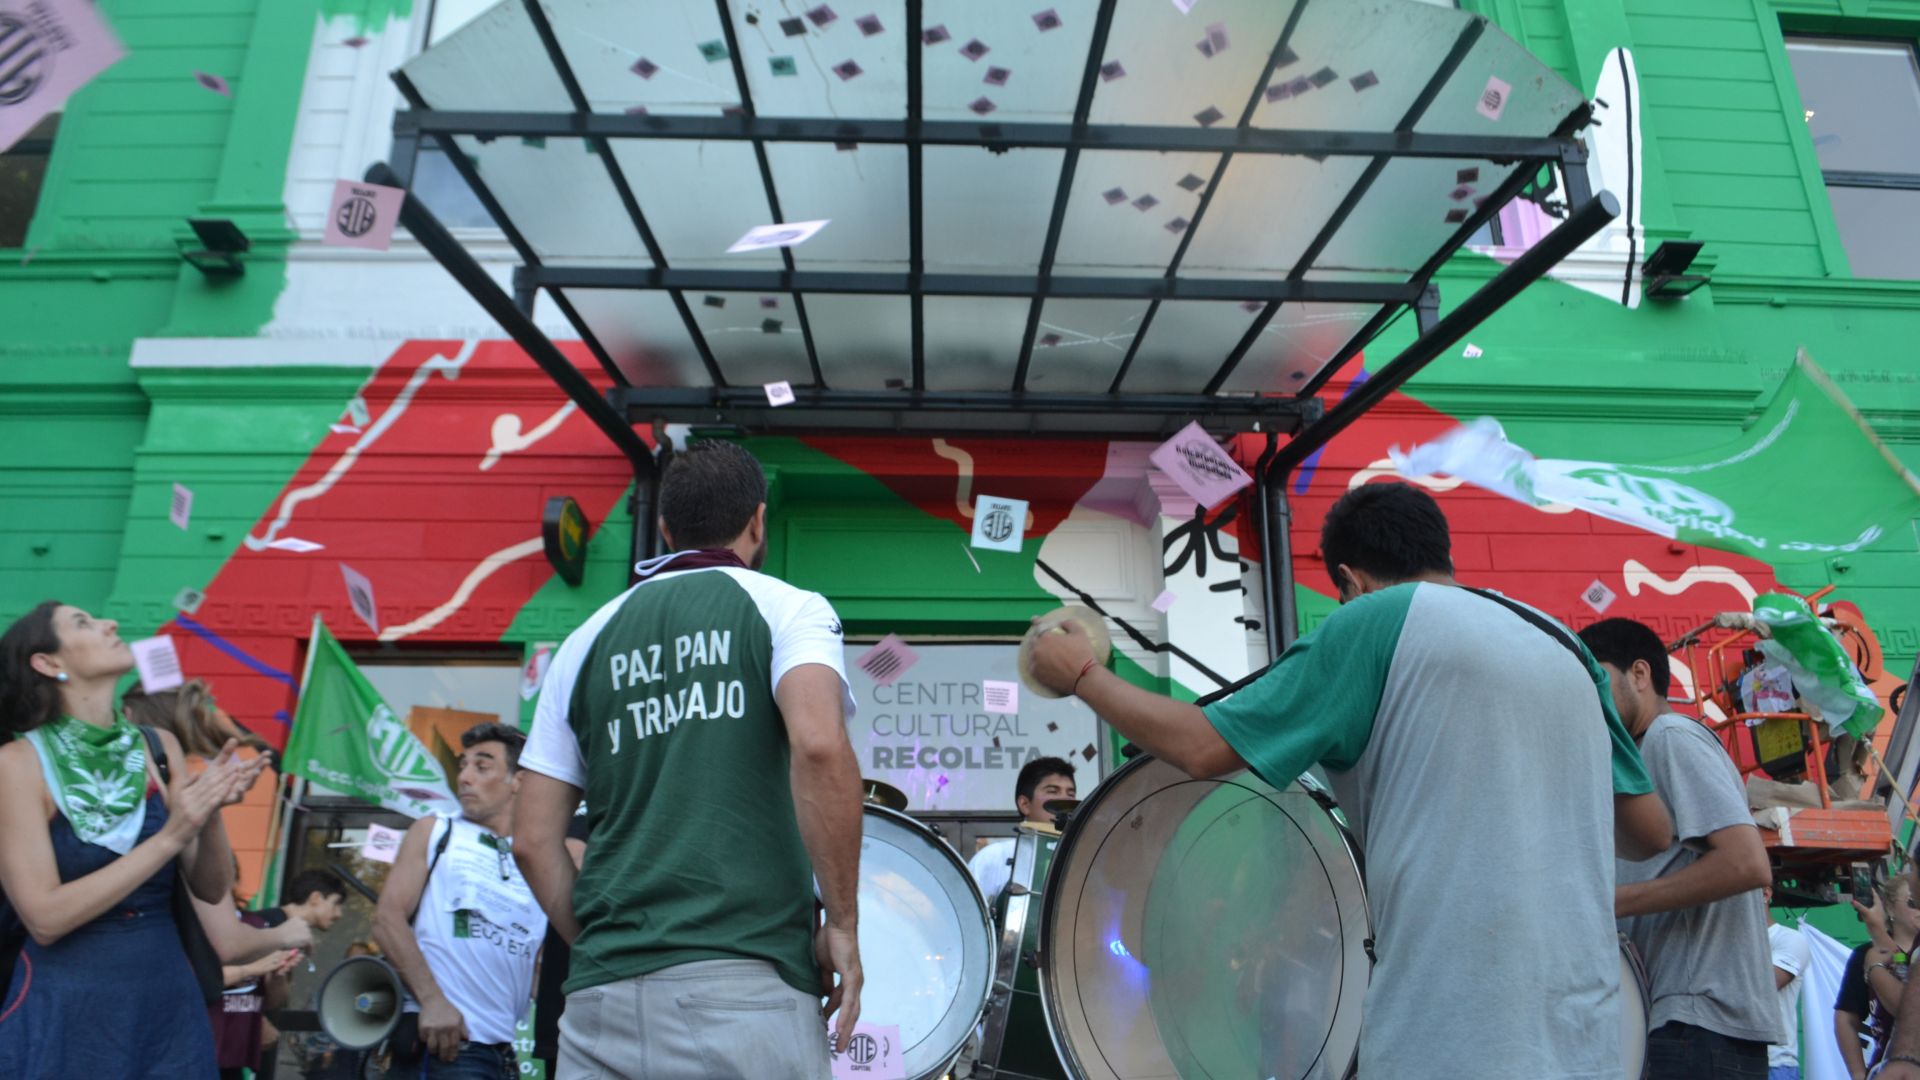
[[759, 557]]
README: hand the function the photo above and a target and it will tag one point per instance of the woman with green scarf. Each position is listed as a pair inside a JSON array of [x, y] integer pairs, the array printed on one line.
[[92, 845]]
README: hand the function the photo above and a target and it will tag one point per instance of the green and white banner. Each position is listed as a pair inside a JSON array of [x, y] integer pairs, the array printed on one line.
[[1809, 479], [345, 736]]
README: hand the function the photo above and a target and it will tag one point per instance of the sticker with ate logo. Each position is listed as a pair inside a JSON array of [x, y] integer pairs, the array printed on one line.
[[873, 1053]]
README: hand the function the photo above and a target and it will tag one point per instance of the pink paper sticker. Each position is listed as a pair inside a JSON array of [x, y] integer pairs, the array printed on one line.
[[1000, 697], [214, 83], [1164, 601], [383, 844], [1598, 597], [1493, 100], [1194, 461], [887, 660], [363, 215], [779, 393], [874, 1052], [51, 48]]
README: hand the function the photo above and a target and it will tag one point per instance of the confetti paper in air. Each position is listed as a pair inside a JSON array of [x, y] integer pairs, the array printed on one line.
[[974, 50], [1459, 193], [360, 596], [715, 50], [1472, 351], [714, 301], [779, 393], [1191, 182], [1493, 100], [1466, 176], [1088, 751], [887, 660], [785, 234], [295, 545], [1252, 307], [1111, 70], [1598, 597], [1278, 92], [846, 70], [730, 110], [769, 302], [189, 600], [895, 384], [1203, 470], [1217, 36], [383, 844], [1299, 86], [1164, 601], [645, 68], [1206, 48], [355, 42], [1177, 226], [783, 65], [536, 142], [1047, 20], [1322, 77], [1287, 57], [344, 429], [1048, 341], [1209, 116], [1145, 203], [1051, 726], [1114, 195], [934, 35], [1000, 697], [181, 509], [821, 15], [869, 25], [769, 326], [636, 110], [1185, 6], [997, 76], [159, 663], [1456, 215], [846, 145], [1366, 80], [793, 27], [982, 105], [999, 524], [214, 83]]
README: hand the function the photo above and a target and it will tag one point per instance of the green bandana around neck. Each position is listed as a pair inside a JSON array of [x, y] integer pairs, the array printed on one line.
[[98, 777]]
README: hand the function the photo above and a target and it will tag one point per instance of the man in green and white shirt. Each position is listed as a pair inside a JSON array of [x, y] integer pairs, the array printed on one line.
[[1474, 749], [702, 716]]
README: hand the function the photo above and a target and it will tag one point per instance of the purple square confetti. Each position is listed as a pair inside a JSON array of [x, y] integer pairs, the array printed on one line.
[[846, 146], [1089, 751], [1322, 77], [1217, 36], [793, 27], [869, 25], [214, 83], [934, 35], [1051, 726], [846, 70], [821, 16], [1366, 80], [636, 110], [714, 301], [997, 76], [355, 42], [1111, 70], [1177, 226], [1299, 86], [1047, 20], [982, 105], [1456, 215], [770, 326], [1205, 47], [1278, 92], [733, 110], [1209, 116], [1145, 203], [974, 50], [1252, 307], [896, 384], [1048, 341], [1459, 193], [1114, 196], [645, 68], [1191, 182], [769, 302], [1287, 56]]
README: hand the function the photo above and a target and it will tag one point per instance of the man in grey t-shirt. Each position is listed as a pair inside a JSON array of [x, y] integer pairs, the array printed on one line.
[[1695, 911]]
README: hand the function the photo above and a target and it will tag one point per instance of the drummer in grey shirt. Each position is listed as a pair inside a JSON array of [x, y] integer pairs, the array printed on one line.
[[1473, 747], [1695, 911]]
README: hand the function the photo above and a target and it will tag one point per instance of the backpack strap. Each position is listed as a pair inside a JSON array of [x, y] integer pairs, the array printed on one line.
[[439, 849], [1540, 622], [159, 754]]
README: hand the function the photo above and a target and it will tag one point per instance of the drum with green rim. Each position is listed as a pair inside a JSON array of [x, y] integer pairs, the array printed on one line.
[[1014, 1044]]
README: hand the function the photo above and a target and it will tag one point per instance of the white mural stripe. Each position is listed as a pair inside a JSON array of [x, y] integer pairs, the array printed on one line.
[[1636, 575], [477, 575], [507, 438], [449, 366]]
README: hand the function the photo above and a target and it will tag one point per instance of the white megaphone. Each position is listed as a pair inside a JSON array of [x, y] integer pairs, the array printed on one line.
[[360, 1002]]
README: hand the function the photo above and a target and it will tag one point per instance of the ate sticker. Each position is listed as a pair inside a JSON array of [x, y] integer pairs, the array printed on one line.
[[1473, 351], [383, 844], [779, 393], [999, 524], [1000, 697], [873, 1053], [887, 660], [1598, 597], [159, 663], [360, 595], [1202, 469], [363, 215], [1493, 100], [181, 509], [786, 234], [188, 600]]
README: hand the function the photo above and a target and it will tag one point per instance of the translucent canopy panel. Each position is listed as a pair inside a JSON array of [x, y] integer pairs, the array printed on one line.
[[1138, 183]]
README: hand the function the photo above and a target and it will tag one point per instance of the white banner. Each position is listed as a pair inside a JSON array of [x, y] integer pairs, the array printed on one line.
[[930, 733]]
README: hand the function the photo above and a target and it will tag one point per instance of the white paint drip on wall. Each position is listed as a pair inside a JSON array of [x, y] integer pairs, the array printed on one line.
[[473, 579], [507, 438], [1637, 576]]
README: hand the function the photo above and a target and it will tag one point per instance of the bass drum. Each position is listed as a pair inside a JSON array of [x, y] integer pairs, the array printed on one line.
[[1635, 1008], [1205, 928], [926, 942]]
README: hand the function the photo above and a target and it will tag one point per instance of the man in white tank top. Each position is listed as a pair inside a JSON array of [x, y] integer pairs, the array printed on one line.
[[460, 925]]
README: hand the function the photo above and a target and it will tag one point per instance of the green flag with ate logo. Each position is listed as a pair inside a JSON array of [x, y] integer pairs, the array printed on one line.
[[345, 736], [1808, 480]]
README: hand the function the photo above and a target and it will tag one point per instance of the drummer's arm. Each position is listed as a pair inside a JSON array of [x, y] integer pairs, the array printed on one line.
[[540, 814], [1176, 732]]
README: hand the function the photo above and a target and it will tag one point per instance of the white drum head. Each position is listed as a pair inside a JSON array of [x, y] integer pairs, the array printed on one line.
[[1633, 1012], [1211, 928], [926, 941]]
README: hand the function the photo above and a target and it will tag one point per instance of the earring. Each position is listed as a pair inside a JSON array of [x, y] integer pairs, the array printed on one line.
[[60, 677]]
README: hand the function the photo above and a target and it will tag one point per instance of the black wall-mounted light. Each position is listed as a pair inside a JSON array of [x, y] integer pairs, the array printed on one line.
[[1664, 275], [221, 244]]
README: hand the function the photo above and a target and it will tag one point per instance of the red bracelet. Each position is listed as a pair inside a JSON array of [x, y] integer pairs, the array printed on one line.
[[1092, 662]]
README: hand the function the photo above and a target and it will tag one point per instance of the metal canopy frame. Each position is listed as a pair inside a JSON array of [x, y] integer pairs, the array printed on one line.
[[1019, 409]]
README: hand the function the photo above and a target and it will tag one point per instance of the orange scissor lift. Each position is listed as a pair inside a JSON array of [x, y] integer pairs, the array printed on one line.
[[1819, 802]]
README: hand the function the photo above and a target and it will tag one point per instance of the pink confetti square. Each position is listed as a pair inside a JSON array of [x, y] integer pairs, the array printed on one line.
[[982, 105], [887, 661], [1047, 20], [1493, 100], [821, 15], [363, 215], [934, 35], [847, 70], [997, 76], [974, 50], [1112, 70], [355, 42], [645, 68], [214, 83], [1114, 196], [869, 25], [1203, 470], [1164, 601]]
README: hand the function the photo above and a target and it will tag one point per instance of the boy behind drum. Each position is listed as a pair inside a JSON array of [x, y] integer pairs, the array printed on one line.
[[1041, 781]]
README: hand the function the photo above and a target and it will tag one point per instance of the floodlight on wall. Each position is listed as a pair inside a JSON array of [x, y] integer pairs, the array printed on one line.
[[1664, 274], [221, 244]]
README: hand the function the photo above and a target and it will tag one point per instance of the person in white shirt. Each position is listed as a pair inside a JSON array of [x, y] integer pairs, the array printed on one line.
[[1041, 781], [1790, 958]]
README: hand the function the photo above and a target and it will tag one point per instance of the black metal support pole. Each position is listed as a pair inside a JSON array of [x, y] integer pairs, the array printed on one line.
[[1426, 313], [1585, 221], [480, 285]]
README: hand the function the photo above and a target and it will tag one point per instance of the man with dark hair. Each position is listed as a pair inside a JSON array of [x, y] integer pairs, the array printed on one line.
[[459, 923], [1041, 781], [1695, 910], [1471, 744], [694, 891], [318, 896]]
